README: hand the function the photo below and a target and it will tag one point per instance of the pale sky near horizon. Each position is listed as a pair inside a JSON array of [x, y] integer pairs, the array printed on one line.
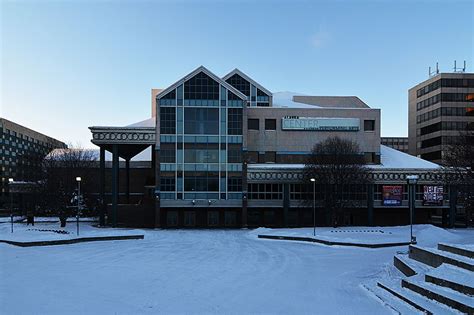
[[68, 65]]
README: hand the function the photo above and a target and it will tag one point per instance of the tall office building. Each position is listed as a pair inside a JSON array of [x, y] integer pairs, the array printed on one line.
[[397, 143], [21, 153], [438, 109]]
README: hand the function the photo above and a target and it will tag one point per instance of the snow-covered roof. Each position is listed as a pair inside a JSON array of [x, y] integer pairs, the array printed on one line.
[[147, 123], [285, 100], [391, 158]]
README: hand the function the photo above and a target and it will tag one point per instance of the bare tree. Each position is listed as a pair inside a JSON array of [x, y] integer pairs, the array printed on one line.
[[61, 167], [459, 169], [338, 167]]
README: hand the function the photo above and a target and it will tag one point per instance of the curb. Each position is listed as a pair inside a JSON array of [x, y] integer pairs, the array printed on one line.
[[74, 240], [330, 243]]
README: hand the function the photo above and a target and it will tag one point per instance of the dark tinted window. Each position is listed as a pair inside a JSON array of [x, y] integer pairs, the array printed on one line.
[[234, 122], [369, 125], [253, 124], [201, 121], [167, 120], [201, 87], [270, 124], [239, 83]]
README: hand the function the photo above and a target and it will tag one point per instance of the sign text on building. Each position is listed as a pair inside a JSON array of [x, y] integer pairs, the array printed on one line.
[[320, 123]]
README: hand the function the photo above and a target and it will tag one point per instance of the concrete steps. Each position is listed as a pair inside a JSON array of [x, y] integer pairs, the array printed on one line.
[[435, 257], [453, 278], [436, 280], [451, 298], [417, 301], [409, 267], [466, 251], [396, 305]]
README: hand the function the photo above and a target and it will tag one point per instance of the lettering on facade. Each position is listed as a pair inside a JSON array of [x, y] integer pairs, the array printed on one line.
[[320, 124]]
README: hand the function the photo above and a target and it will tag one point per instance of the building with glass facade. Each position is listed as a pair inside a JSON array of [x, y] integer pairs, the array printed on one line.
[[397, 143], [227, 152], [21, 153], [438, 109]]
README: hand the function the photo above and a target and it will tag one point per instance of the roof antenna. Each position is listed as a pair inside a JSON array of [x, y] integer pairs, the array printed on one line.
[[431, 74], [456, 69]]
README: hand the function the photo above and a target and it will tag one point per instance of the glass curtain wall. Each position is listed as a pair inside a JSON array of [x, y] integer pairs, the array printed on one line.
[[200, 123]]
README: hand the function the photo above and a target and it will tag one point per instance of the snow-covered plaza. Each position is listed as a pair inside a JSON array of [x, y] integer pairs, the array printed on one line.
[[197, 271]]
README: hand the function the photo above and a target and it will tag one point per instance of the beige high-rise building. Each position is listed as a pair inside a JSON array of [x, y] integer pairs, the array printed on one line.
[[438, 109]]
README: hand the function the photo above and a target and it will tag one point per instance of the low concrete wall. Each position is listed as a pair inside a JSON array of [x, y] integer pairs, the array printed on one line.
[[330, 243], [74, 240]]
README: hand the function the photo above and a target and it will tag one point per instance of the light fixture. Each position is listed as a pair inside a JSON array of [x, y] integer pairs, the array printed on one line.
[[312, 179], [10, 180], [78, 179]]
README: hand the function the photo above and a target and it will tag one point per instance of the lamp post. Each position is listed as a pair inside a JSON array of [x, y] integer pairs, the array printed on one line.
[[78, 180], [314, 205], [411, 181], [10, 181]]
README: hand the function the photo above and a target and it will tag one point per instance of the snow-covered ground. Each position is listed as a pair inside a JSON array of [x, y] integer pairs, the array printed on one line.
[[194, 271]]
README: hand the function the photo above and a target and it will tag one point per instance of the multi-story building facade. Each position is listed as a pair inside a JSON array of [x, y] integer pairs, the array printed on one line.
[[228, 152], [438, 109], [397, 143], [21, 153]]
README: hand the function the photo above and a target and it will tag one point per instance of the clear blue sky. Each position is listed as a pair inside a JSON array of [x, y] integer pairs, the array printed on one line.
[[67, 65]]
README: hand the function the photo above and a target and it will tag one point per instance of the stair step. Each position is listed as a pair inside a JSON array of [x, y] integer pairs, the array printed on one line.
[[452, 277], [415, 300], [443, 295], [434, 257], [386, 298], [409, 267], [463, 250]]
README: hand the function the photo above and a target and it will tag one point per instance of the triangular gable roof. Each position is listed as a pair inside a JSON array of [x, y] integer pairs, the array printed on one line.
[[246, 77], [209, 73]]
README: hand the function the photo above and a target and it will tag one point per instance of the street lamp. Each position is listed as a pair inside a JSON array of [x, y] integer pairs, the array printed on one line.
[[78, 180], [411, 181], [10, 181], [314, 205]]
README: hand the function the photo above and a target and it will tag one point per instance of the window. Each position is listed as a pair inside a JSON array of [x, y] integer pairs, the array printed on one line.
[[253, 124], [234, 154], [234, 124], [201, 181], [167, 184], [201, 121], [167, 153], [270, 157], [369, 125], [168, 99], [240, 84], [270, 124], [252, 157], [201, 153], [167, 120], [234, 184], [201, 87], [265, 191]]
